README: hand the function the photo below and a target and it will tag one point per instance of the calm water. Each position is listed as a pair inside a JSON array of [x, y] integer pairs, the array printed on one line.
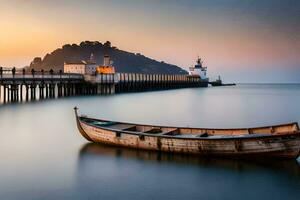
[[44, 157]]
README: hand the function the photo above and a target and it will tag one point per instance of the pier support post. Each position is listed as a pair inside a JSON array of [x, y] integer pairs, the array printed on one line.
[[4, 93], [21, 92]]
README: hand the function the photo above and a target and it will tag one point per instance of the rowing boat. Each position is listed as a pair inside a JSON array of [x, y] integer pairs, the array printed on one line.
[[280, 141]]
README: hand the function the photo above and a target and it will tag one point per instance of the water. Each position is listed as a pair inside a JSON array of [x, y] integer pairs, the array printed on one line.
[[44, 157]]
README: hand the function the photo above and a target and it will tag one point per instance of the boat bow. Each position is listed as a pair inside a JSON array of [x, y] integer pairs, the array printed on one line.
[[82, 132]]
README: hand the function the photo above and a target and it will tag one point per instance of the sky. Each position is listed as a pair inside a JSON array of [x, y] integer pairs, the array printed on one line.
[[242, 40]]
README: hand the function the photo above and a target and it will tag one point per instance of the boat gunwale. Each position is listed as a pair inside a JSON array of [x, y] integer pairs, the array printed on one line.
[[239, 137], [220, 129]]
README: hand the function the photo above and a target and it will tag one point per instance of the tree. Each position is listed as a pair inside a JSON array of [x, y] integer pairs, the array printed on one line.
[[107, 44]]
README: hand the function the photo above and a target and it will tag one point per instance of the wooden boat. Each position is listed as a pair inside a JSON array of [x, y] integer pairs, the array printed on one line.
[[280, 141]]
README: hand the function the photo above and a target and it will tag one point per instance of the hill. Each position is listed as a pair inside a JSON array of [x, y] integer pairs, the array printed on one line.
[[123, 61]]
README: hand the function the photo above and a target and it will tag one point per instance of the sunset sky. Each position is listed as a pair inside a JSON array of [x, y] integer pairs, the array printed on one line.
[[243, 41]]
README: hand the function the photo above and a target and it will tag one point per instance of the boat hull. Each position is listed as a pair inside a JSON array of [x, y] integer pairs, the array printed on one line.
[[279, 146], [203, 84]]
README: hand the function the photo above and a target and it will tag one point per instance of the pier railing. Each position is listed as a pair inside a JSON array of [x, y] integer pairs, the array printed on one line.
[[14, 74], [41, 76]]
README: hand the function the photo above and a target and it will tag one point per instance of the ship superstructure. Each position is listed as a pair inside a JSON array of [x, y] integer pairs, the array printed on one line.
[[199, 70]]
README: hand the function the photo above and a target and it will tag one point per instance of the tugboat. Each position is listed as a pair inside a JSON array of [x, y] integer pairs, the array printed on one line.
[[219, 82], [200, 72]]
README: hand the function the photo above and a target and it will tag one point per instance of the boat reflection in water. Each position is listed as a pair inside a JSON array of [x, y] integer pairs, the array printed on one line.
[[94, 150], [108, 172]]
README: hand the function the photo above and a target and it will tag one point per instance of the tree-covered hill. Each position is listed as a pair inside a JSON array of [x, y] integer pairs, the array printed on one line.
[[123, 61]]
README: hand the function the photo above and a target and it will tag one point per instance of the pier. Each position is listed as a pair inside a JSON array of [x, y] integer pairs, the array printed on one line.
[[20, 85], [148, 82]]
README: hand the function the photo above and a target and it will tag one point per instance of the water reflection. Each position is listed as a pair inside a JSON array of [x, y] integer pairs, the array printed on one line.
[[96, 151], [43, 156], [119, 173]]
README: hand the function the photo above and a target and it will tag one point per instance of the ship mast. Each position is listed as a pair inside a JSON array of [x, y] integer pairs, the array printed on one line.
[[199, 61]]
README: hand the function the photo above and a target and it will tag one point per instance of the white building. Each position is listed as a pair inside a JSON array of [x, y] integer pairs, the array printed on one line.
[[81, 67], [74, 67]]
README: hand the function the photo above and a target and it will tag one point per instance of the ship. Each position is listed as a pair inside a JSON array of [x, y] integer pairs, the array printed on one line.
[[199, 71]]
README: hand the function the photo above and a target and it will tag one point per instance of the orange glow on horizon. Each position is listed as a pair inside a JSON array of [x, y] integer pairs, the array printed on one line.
[[32, 31]]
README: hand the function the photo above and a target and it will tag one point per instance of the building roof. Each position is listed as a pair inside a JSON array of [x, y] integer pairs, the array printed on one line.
[[76, 63], [89, 62]]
